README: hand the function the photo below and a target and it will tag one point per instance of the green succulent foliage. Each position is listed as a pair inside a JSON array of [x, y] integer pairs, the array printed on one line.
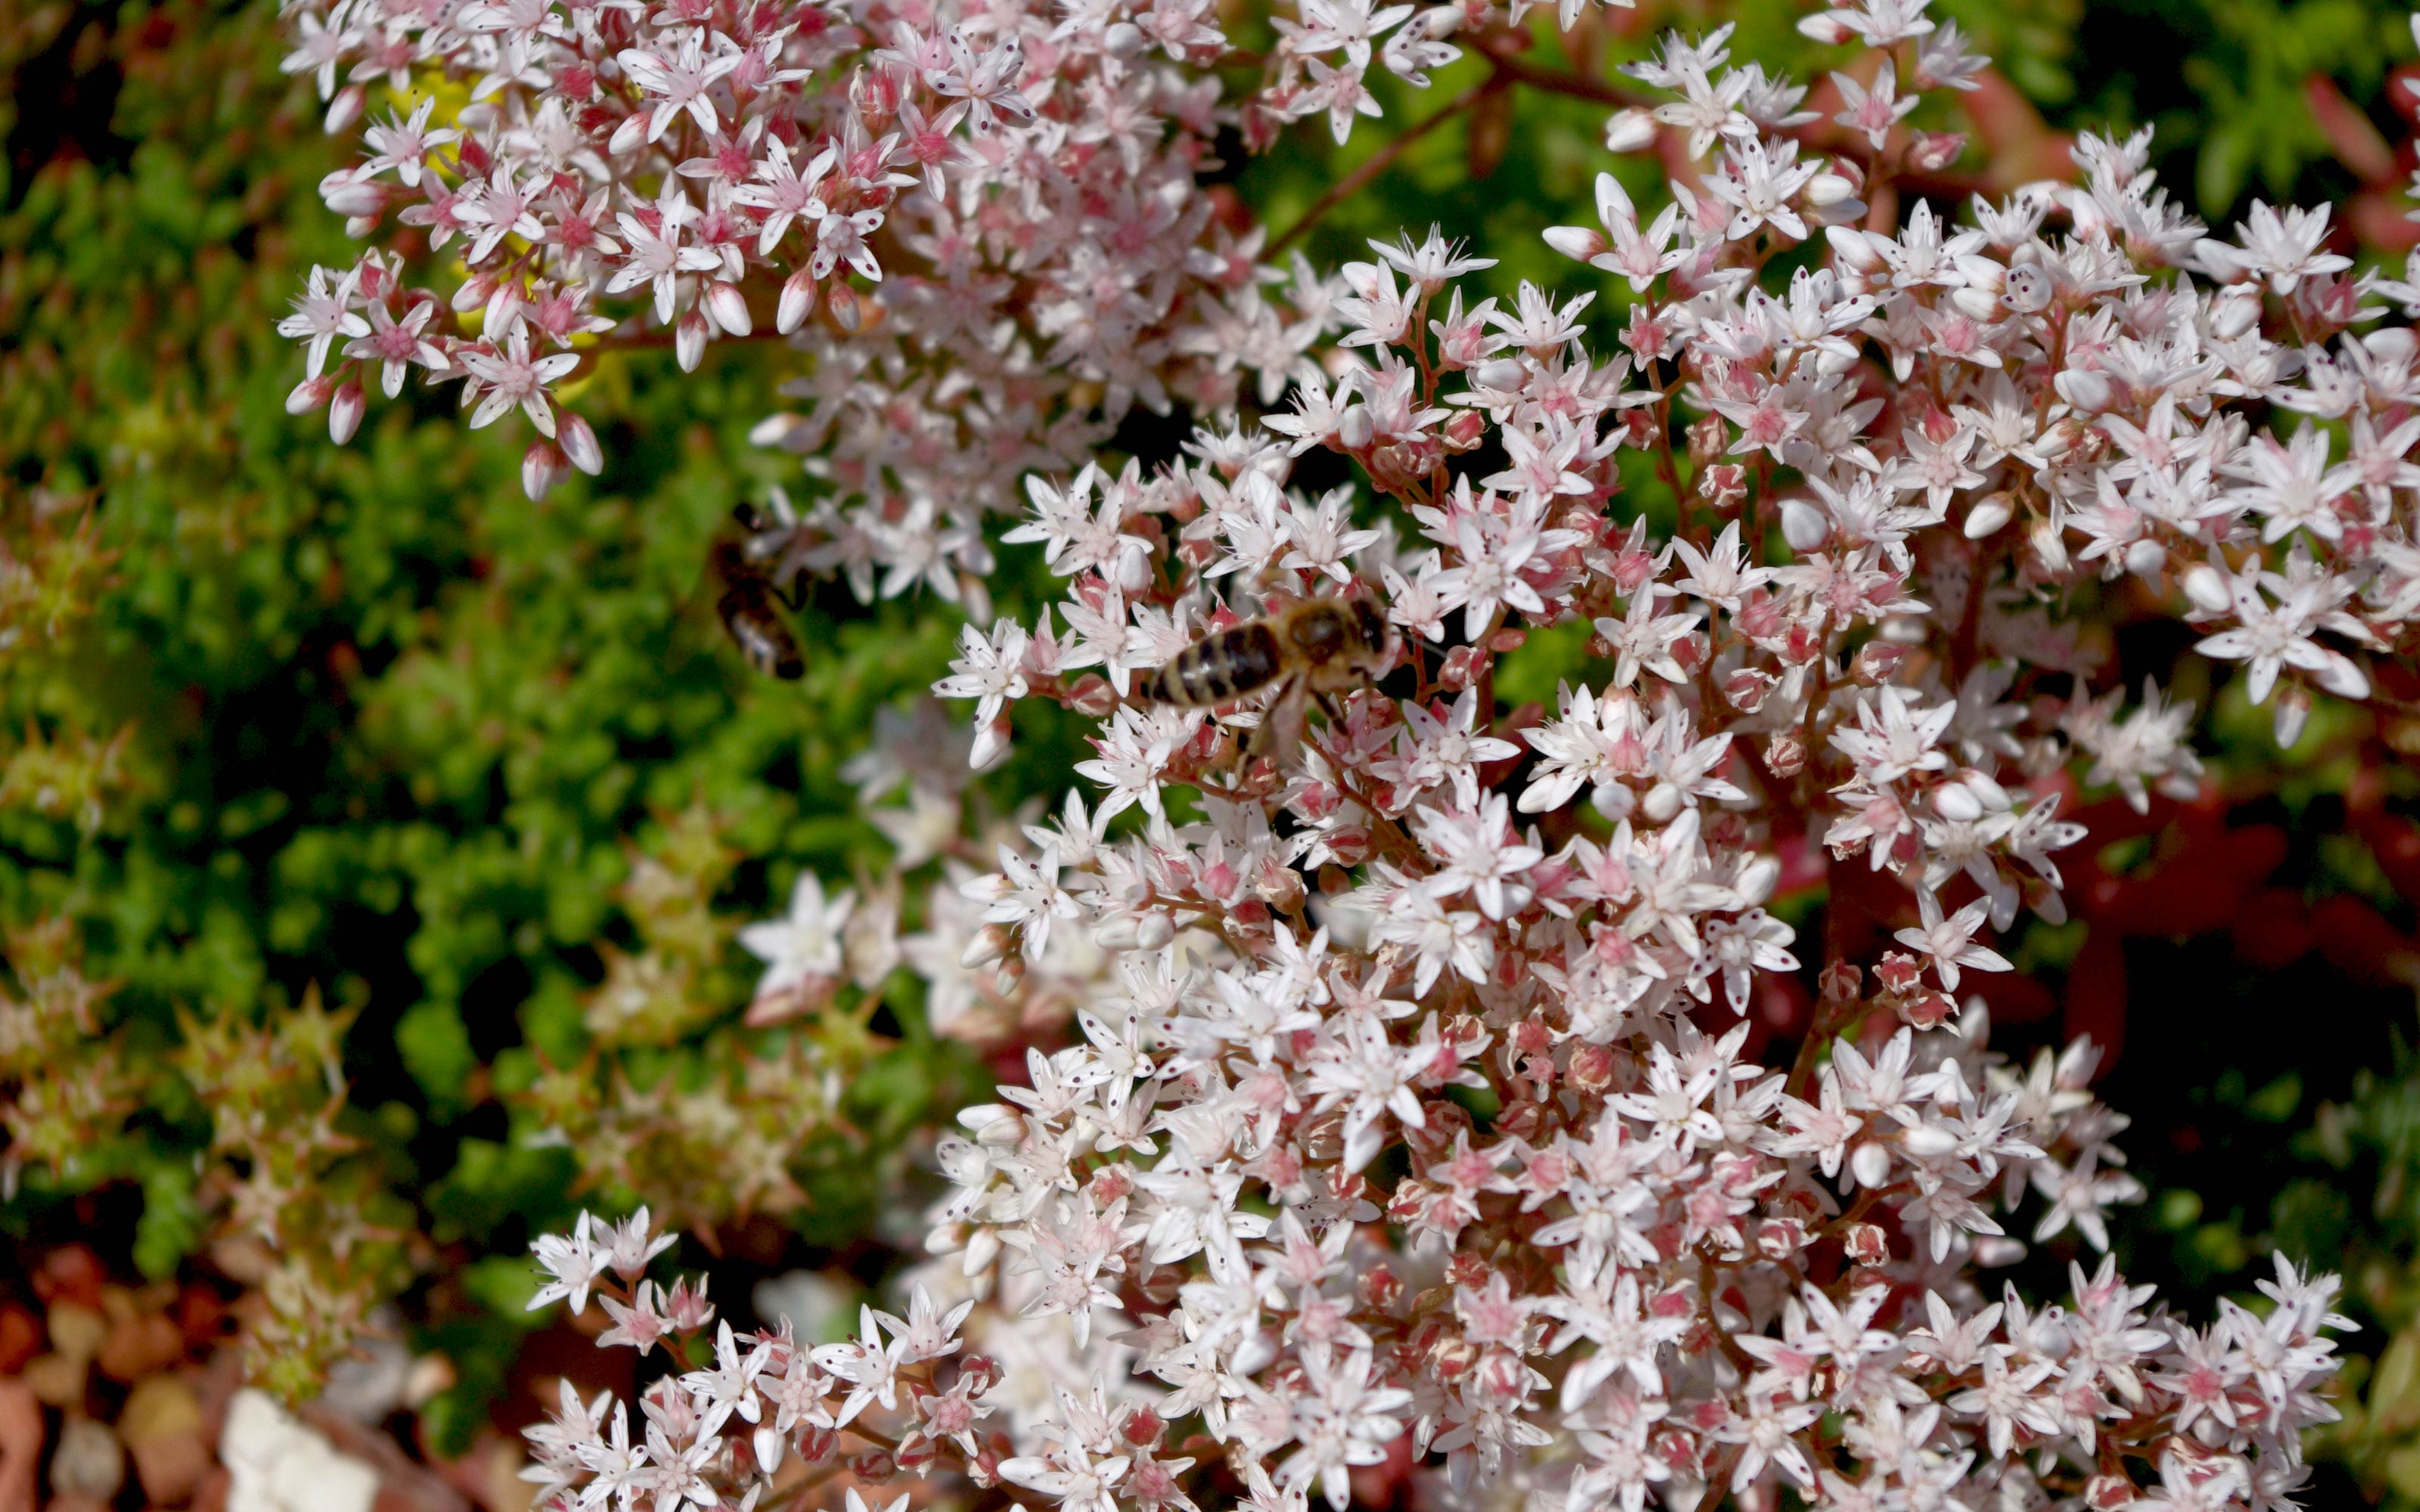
[[2362, 1208]]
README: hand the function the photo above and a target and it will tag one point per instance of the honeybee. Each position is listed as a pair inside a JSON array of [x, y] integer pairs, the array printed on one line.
[[741, 565], [1310, 647]]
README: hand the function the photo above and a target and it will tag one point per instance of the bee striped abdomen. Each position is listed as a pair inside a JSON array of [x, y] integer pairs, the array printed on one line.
[[1218, 669]]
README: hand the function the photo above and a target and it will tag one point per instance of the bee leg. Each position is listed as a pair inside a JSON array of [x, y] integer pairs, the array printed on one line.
[[1279, 732]]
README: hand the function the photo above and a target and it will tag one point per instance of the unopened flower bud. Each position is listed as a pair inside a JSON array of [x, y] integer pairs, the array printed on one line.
[[345, 108], [309, 395], [1785, 756], [1616, 801], [1663, 801], [2087, 389], [798, 303], [503, 312], [627, 136], [1153, 930], [1756, 881], [1994, 1250], [2235, 310], [2293, 712], [543, 466], [847, 312], [1354, 429], [1465, 429], [1855, 250], [1871, 1163], [1506, 373], [1578, 242], [1123, 40], [2343, 677], [987, 943], [1803, 525], [1988, 792], [349, 194], [2048, 547], [2146, 557], [1630, 130], [580, 446], [1826, 188], [2206, 587], [1931, 151], [689, 341], [1953, 802], [345, 411], [728, 308], [1988, 516]]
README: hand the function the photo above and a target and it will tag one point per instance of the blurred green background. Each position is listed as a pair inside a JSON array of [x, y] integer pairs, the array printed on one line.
[[354, 755]]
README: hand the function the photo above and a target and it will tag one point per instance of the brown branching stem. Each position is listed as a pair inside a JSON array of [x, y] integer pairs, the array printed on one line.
[[1379, 161]]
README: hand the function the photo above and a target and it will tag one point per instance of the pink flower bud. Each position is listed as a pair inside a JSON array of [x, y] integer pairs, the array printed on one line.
[[2293, 714], [579, 444], [349, 194], [1506, 374], [1854, 249], [1578, 242], [1803, 525], [543, 466], [309, 395], [988, 945], [345, 411], [345, 108], [728, 308], [689, 341], [1630, 130], [845, 312], [798, 303], [1987, 517]]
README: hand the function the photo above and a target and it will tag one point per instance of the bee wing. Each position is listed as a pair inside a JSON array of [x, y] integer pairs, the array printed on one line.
[[1279, 732]]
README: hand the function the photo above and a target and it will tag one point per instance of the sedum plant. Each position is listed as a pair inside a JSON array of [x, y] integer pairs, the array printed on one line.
[[1408, 1133]]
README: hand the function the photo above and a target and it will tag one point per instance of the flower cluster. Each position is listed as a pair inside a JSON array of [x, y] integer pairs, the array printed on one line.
[[1414, 1129], [766, 1403], [984, 228], [1404, 1130]]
